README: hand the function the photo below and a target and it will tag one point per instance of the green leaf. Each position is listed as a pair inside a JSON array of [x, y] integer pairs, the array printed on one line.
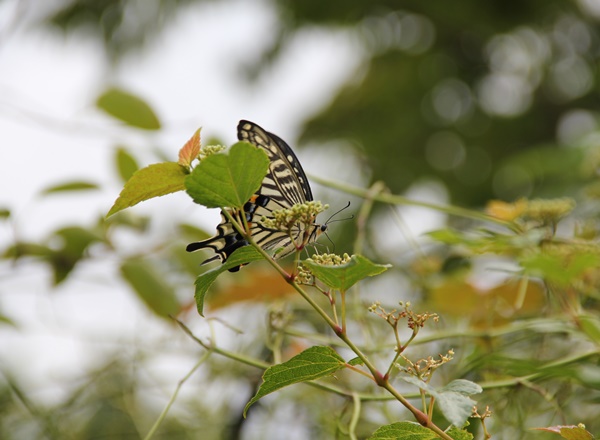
[[242, 255], [136, 223], [126, 164], [5, 320], [403, 431], [355, 361], [155, 180], [4, 213], [128, 108], [487, 241], [26, 249], [569, 432], [456, 407], [452, 399], [591, 327], [75, 238], [73, 243], [459, 434], [560, 269], [228, 180], [575, 433], [193, 232], [462, 386], [70, 186], [418, 382], [446, 236], [68, 248], [344, 276], [311, 364], [150, 288]]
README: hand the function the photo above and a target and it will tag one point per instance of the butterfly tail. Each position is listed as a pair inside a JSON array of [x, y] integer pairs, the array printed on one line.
[[223, 245]]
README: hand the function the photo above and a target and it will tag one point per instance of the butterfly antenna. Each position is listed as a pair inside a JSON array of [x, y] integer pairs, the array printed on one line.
[[336, 213]]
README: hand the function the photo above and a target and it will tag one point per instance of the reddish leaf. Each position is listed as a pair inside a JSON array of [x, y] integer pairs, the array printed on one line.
[[190, 150], [256, 286]]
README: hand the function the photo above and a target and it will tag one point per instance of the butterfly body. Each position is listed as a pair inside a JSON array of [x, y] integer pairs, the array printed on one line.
[[284, 186]]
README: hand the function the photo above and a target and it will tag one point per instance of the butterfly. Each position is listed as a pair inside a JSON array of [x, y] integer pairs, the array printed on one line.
[[284, 186]]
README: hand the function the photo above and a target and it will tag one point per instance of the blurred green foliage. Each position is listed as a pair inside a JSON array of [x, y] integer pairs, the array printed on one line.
[[456, 93], [461, 92]]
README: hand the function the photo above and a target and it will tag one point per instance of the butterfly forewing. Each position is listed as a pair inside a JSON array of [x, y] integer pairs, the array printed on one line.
[[286, 177], [284, 185]]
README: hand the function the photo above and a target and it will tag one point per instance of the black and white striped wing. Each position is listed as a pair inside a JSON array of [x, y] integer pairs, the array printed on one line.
[[285, 182], [284, 185]]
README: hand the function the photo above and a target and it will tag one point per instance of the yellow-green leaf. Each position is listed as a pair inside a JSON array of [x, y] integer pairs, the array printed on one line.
[[153, 181], [126, 164], [128, 108], [569, 432], [403, 431], [70, 186]]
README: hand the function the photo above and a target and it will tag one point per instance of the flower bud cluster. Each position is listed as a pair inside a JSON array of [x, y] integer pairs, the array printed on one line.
[[549, 211], [304, 276], [546, 211], [484, 415], [414, 320], [285, 219], [330, 259], [423, 368], [209, 150]]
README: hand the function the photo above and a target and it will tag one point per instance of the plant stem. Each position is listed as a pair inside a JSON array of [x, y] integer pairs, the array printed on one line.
[[163, 414], [355, 416], [363, 215], [420, 416], [263, 366], [399, 200], [381, 380], [343, 295], [399, 348]]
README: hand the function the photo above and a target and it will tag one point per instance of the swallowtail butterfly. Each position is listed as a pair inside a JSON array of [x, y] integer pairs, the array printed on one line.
[[284, 186]]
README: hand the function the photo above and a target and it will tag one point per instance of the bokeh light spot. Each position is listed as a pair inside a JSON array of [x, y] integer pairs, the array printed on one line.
[[512, 182], [444, 151]]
